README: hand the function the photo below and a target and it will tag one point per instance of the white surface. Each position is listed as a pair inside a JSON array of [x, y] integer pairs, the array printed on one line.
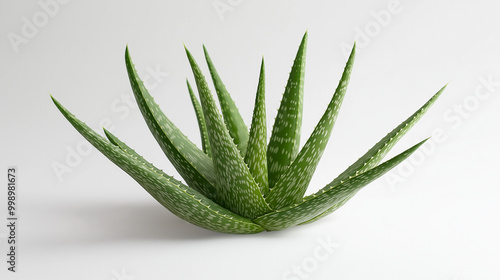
[[440, 222]]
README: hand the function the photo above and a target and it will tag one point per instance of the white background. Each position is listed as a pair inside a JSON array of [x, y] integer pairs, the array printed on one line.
[[436, 217]]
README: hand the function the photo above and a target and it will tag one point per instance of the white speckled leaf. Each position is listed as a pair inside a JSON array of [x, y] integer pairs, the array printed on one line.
[[371, 158], [292, 185], [236, 188], [285, 138], [326, 198], [124, 147], [256, 156], [201, 121], [195, 167], [232, 118], [181, 200]]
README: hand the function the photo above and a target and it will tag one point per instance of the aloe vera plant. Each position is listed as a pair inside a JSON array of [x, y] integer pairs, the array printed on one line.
[[238, 182]]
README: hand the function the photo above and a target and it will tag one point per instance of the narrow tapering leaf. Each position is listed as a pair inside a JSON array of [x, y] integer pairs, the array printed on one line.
[[193, 164], [325, 199], [232, 117], [330, 210], [236, 189], [371, 158], [256, 155], [124, 147], [201, 120], [292, 185], [285, 138], [181, 200]]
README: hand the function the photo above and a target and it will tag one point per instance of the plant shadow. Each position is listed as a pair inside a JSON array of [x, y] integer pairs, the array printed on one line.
[[106, 222]]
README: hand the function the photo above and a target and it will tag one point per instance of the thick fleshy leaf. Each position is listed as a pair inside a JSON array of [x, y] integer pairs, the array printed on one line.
[[256, 156], [236, 188], [292, 185], [201, 121], [324, 199], [371, 158], [330, 210], [232, 117], [285, 138], [181, 200], [124, 147], [193, 164]]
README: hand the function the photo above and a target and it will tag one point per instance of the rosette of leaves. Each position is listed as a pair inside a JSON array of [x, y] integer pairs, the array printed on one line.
[[239, 181]]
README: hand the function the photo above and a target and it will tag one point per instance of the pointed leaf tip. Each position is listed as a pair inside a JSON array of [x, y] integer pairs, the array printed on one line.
[[127, 53], [285, 137], [293, 183], [256, 158], [188, 53], [232, 117]]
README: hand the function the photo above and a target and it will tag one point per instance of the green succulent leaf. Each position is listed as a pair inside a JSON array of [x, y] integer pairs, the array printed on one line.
[[232, 118], [330, 210], [115, 141], [256, 156], [236, 188], [285, 138], [193, 164], [326, 198], [201, 121], [181, 200], [292, 185], [373, 157]]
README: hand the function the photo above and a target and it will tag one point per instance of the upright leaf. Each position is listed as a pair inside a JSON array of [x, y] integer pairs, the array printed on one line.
[[232, 118], [236, 189], [255, 157], [292, 185], [181, 200], [326, 198], [192, 163], [201, 121], [371, 158], [285, 138]]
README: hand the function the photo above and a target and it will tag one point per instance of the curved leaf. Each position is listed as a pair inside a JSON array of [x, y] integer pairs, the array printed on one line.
[[326, 198], [236, 188], [193, 164], [183, 201], [371, 158]]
